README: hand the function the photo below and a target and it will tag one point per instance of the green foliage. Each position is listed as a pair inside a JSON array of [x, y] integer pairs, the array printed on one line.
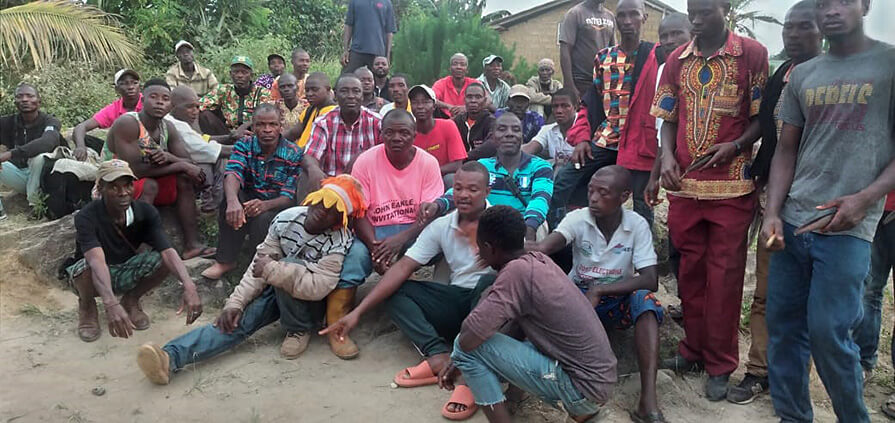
[[217, 58], [426, 42], [313, 25]]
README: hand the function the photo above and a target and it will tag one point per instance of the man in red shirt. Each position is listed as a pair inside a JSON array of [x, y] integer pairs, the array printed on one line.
[[709, 96], [438, 137], [450, 91]]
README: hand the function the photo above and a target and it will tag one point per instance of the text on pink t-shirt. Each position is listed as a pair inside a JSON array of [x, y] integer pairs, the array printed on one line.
[[107, 115]]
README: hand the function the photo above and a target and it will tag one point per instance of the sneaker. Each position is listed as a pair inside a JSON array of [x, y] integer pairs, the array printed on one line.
[[294, 344], [154, 363], [716, 387], [747, 390], [679, 364]]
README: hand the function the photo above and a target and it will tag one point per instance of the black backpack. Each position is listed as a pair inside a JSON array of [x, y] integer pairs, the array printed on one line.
[[65, 192]]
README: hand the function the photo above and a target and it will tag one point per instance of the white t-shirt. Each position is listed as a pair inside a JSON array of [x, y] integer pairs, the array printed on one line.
[[554, 143], [201, 151], [659, 121], [444, 236], [598, 262]]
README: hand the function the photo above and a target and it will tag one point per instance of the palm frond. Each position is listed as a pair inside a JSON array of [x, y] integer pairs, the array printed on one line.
[[53, 29]]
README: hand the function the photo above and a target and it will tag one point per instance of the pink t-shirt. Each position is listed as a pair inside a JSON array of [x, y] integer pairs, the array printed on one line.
[[394, 196], [890, 201], [443, 142], [106, 117]]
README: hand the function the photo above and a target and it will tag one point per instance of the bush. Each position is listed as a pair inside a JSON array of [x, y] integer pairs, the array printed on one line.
[[313, 25]]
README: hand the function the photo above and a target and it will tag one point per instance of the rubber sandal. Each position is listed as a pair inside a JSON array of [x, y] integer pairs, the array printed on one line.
[[462, 395], [656, 417], [206, 252], [889, 407], [419, 375]]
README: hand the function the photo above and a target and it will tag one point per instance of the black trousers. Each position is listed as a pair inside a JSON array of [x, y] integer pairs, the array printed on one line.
[[230, 240], [358, 60], [570, 184]]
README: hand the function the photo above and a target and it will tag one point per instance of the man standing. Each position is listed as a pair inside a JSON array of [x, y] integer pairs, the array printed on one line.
[[498, 90], [430, 313], [228, 108], [709, 96], [338, 137], [802, 41], [277, 65], [397, 177], [517, 104], [259, 182], [398, 87], [289, 104], [380, 76], [159, 157], [542, 86], [368, 85], [451, 90], [188, 72], [438, 137], [823, 211], [586, 29], [476, 121], [301, 62], [550, 142], [130, 99], [109, 231], [318, 95], [26, 135], [566, 360], [369, 28], [295, 268]]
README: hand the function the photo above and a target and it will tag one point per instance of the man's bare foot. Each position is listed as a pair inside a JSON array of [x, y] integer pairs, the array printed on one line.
[[88, 320], [438, 361], [203, 251], [217, 270], [135, 312]]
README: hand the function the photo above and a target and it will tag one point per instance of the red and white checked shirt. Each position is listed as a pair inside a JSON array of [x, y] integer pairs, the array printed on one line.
[[335, 145]]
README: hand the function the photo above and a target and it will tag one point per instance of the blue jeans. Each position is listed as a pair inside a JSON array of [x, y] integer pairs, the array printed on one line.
[[814, 302], [273, 304], [358, 264], [22, 180], [521, 364], [882, 261]]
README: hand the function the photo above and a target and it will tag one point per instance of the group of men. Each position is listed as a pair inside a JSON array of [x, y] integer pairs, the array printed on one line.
[[515, 194]]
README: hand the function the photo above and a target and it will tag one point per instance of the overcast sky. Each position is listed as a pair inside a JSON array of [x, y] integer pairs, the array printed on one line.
[[767, 34]]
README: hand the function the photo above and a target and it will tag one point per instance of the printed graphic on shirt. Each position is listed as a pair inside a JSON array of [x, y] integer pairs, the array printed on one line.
[[599, 23], [843, 104], [390, 209]]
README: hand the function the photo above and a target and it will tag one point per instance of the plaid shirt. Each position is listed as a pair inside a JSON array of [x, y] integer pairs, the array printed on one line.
[[613, 79], [335, 145], [269, 177], [225, 98]]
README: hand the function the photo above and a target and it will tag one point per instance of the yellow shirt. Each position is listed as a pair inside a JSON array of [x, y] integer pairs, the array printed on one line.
[[315, 113], [292, 117]]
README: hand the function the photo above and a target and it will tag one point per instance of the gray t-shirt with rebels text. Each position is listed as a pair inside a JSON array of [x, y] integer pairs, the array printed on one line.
[[846, 107]]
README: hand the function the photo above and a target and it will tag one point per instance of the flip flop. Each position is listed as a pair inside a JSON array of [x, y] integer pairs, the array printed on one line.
[[419, 375], [206, 252], [656, 417], [889, 407], [462, 395]]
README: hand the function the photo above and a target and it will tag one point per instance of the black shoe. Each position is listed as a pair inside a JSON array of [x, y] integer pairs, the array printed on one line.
[[747, 390], [679, 364], [716, 387]]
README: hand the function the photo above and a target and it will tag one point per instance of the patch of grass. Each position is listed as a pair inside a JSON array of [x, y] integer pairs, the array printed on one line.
[[31, 310], [745, 314], [39, 210], [208, 227], [255, 417]]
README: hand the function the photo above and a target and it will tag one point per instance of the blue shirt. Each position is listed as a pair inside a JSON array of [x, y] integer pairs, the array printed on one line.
[[269, 177], [370, 21], [530, 125], [534, 180]]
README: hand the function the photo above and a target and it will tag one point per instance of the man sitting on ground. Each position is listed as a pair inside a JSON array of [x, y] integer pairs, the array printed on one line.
[[541, 87], [438, 137], [380, 78], [130, 99], [295, 267], [550, 142], [566, 360], [476, 122], [398, 87], [204, 150], [430, 313], [26, 135], [620, 297], [451, 90], [290, 105], [498, 90], [370, 100], [228, 108], [109, 231], [338, 137], [518, 105], [301, 62], [397, 177], [519, 180], [159, 157], [277, 65], [189, 73], [259, 182], [318, 95]]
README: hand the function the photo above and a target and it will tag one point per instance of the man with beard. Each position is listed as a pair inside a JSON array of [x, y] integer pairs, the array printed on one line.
[[380, 76]]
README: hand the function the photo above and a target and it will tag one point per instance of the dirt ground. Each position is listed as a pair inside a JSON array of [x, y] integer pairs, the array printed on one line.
[[49, 375]]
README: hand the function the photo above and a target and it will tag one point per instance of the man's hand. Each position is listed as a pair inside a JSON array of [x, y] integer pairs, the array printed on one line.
[[722, 154], [255, 207], [850, 211], [120, 325], [241, 132], [386, 250], [651, 193], [228, 320], [191, 303], [261, 261], [772, 233], [427, 212], [531, 234], [594, 295], [344, 59], [159, 157], [457, 110], [5, 156], [671, 173], [583, 152], [342, 327], [195, 173], [235, 214], [447, 376], [80, 153]]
